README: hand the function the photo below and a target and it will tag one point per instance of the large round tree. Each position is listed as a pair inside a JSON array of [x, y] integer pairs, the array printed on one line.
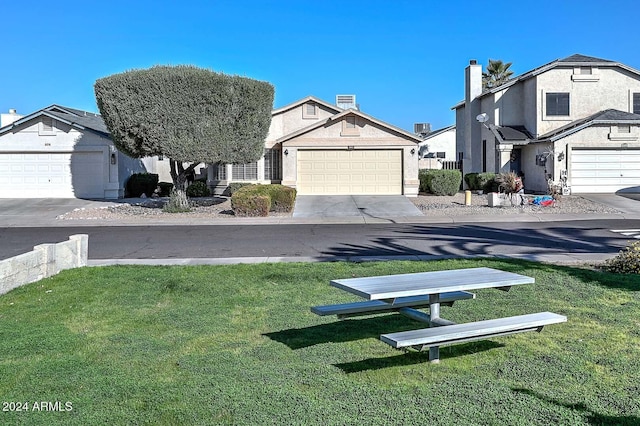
[[188, 114]]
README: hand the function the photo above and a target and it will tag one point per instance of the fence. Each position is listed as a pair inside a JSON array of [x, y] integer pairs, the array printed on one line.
[[44, 261]]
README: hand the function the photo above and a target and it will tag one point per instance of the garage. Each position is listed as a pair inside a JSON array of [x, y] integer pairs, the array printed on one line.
[[604, 170], [52, 175], [350, 172]]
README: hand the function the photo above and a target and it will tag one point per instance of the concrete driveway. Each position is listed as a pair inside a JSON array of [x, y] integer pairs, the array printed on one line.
[[359, 206]]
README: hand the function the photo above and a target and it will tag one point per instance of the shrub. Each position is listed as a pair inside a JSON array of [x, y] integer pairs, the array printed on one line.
[[198, 189], [165, 188], [235, 186], [471, 179], [142, 183], [626, 262], [281, 198], [178, 203], [440, 182], [481, 181], [248, 204]]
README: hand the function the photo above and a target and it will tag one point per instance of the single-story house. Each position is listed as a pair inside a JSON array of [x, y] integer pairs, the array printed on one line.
[[440, 143], [574, 122], [320, 148], [60, 152]]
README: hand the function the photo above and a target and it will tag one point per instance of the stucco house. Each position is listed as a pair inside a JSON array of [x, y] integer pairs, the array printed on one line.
[[61, 152], [574, 121], [321, 148], [440, 143]]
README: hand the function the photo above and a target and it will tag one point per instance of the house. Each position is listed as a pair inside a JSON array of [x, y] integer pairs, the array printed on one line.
[[437, 147], [574, 122], [320, 148], [440, 143], [60, 152]]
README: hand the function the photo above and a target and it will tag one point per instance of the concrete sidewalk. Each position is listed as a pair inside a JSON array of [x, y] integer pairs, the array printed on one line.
[[44, 213]]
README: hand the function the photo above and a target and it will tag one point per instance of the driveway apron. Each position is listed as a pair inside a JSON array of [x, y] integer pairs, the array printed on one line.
[[366, 206]]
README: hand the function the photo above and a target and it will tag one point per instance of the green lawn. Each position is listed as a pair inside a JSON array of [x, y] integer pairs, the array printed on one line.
[[238, 345]]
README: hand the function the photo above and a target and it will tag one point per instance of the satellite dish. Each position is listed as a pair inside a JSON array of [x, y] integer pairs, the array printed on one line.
[[482, 118]]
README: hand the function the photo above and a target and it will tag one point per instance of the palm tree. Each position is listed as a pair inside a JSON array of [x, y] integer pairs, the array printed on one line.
[[497, 73]]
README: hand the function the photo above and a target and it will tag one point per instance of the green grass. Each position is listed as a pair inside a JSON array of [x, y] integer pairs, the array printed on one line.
[[239, 345]]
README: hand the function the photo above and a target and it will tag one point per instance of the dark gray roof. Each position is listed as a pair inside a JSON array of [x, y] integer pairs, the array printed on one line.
[[437, 132], [608, 116], [582, 58], [513, 133], [93, 122], [77, 117], [573, 59]]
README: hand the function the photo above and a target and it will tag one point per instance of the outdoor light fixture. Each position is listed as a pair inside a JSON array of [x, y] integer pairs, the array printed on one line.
[[561, 156], [286, 152], [413, 151], [113, 158]]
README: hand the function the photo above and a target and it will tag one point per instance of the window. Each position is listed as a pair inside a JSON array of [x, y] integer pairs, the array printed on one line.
[[310, 110], [557, 104], [244, 171], [586, 70], [636, 103], [272, 168], [220, 172], [624, 128], [350, 122], [349, 126], [440, 154], [47, 124]]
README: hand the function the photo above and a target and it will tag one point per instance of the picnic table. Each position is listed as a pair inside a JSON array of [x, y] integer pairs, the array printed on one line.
[[405, 293]]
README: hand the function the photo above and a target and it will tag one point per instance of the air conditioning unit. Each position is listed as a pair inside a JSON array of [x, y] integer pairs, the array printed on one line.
[[421, 128], [346, 101]]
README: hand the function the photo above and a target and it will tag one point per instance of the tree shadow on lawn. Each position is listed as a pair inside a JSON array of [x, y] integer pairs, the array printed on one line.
[[592, 417]]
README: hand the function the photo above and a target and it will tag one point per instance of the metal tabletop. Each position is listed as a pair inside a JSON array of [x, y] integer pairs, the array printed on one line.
[[430, 283]]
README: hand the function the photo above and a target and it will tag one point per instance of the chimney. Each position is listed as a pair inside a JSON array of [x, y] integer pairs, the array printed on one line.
[[472, 132], [473, 81]]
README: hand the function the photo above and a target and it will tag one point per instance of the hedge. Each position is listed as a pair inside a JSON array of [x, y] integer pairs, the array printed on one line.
[[481, 181], [198, 189], [142, 183], [440, 182], [280, 199]]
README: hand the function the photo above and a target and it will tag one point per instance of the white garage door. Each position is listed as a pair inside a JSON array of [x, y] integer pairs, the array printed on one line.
[[604, 170], [363, 172], [52, 175]]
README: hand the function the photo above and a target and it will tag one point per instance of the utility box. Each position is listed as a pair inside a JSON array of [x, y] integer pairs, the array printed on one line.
[[494, 199]]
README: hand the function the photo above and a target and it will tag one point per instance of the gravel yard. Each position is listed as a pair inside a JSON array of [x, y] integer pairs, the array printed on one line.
[[430, 205]]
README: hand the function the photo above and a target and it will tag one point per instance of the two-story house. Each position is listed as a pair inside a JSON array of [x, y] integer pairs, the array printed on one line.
[[574, 121]]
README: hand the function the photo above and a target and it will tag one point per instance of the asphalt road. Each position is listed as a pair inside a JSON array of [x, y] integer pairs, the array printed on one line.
[[331, 240]]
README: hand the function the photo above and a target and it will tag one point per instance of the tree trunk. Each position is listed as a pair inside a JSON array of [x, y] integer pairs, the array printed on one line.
[[179, 176]]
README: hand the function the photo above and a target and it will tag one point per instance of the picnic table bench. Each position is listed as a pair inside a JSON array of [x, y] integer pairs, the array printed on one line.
[[404, 293]]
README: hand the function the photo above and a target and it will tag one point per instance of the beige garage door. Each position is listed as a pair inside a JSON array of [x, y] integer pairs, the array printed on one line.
[[358, 172], [52, 175], [604, 170]]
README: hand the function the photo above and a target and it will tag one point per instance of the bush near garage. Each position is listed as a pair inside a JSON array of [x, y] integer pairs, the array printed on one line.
[[142, 183], [258, 200], [198, 189], [626, 262], [440, 182]]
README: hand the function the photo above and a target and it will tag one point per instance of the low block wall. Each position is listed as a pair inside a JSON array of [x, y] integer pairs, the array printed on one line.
[[44, 261]]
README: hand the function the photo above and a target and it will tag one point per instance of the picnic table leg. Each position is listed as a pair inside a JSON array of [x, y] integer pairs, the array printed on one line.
[[434, 313]]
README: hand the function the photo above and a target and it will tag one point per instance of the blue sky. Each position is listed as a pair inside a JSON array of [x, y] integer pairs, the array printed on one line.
[[404, 60]]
